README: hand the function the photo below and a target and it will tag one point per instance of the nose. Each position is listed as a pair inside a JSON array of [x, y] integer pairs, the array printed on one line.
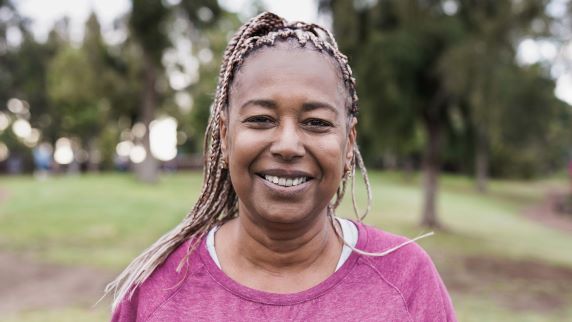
[[287, 143]]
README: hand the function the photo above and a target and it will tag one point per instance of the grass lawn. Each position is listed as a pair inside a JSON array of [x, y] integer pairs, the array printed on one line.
[[103, 221]]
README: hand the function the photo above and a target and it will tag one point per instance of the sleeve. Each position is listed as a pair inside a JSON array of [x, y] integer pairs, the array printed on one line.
[[411, 271], [148, 296], [425, 293], [448, 304]]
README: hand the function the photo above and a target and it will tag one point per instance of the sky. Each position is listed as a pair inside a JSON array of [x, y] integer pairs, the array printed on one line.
[[45, 12]]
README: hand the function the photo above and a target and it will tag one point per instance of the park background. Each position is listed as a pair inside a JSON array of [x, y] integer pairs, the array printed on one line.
[[465, 125]]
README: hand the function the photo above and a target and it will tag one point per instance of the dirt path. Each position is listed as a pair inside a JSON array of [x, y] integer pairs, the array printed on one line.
[[519, 285], [546, 213], [27, 284]]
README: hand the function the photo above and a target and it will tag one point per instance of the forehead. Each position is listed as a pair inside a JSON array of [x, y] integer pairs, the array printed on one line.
[[286, 69]]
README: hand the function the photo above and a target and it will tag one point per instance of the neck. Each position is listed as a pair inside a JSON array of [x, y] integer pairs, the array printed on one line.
[[281, 248]]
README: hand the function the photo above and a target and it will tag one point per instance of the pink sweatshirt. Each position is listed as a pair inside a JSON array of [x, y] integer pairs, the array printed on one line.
[[402, 286]]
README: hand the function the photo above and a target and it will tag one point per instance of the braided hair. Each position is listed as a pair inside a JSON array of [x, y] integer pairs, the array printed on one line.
[[218, 202]]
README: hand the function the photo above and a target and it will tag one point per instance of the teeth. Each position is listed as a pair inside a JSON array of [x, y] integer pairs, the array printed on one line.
[[286, 182]]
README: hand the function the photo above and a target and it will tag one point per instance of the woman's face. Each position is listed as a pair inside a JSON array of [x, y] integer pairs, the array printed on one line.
[[286, 136]]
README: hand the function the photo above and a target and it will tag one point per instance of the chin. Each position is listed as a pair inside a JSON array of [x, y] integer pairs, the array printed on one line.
[[283, 218], [287, 214]]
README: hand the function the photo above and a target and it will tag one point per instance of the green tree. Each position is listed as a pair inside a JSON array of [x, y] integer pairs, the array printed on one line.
[[148, 22], [148, 25], [8, 20], [213, 40], [534, 136], [72, 86], [447, 70], [395, 47], [84, 85], [23, 75], [474, 69]]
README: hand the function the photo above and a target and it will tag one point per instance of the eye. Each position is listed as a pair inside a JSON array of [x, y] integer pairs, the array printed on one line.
[[263, 121], [318, 124]]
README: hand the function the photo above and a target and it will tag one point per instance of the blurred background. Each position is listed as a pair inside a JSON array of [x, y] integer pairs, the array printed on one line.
[[465, 125]]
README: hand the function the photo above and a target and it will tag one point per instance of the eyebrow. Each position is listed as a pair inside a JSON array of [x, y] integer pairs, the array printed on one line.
[[310, 106], [306, 107], [270, 104]]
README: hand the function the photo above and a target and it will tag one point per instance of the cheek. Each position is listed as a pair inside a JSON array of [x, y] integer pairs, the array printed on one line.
[[245, 146], [332, 156]]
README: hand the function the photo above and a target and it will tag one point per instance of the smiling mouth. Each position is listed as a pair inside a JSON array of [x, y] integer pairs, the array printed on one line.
[[285, 182]]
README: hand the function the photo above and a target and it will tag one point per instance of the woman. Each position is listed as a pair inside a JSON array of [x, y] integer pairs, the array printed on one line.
[[262, 242]]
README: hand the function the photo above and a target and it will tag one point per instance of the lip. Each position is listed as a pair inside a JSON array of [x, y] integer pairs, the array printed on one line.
[[285, 173], [285, 192]]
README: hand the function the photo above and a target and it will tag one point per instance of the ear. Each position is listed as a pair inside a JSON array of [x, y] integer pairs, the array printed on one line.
[[223, 130], [351, 143]]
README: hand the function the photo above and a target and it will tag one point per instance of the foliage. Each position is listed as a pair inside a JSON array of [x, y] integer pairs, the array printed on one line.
[[71, 85], [148, 26], [214, 40], [533, 143], [405, 52]]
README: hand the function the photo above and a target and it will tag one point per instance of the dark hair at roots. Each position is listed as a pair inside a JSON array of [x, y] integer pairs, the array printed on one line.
[[217, 202]]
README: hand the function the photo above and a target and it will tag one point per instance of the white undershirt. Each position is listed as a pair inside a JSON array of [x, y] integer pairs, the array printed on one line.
[[349, 233]]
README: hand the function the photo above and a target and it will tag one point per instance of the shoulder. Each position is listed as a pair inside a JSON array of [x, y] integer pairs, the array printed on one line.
[[411, 271], [405, 266], [163, 283], [377, 241]]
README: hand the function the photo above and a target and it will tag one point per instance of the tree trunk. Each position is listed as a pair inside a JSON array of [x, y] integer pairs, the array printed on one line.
[[94, 156], [481, 163], [147, 171], [408, 169], [431, 171]]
